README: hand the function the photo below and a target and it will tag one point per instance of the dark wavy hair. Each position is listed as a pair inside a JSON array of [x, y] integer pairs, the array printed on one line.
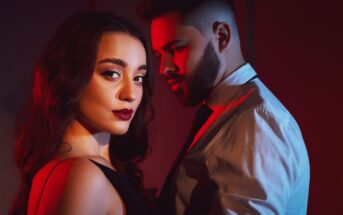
[[62, 72]]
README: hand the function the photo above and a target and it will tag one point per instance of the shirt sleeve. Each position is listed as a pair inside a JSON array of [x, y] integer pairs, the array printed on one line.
[[253, 164]]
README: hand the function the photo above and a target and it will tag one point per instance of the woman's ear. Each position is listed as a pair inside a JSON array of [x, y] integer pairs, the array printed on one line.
[[222, 34]]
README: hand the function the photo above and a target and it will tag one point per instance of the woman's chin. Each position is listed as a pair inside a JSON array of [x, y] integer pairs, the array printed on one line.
[[119, 131]]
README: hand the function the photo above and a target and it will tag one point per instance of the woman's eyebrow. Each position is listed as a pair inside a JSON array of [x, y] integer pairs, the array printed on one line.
[[117, 61], [121, 63], [143, 67]]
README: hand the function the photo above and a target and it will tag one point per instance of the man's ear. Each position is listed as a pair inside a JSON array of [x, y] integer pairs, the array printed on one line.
[[222, 33]]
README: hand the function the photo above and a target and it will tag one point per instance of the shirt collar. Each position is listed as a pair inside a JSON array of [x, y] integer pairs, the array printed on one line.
[[230, 85]]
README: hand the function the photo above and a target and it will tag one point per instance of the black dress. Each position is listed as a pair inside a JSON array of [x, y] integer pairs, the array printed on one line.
[[133, 203]]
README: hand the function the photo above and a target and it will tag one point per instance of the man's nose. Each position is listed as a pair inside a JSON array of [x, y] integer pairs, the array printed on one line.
[[167, 64], [127, 92]]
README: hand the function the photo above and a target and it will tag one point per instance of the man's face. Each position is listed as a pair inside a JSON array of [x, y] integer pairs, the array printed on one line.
[[188, 60]]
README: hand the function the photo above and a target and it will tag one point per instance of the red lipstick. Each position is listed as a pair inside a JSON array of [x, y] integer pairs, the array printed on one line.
[[123, 114]]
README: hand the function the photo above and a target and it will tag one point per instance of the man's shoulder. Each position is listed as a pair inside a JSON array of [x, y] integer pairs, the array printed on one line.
[[261, 102]]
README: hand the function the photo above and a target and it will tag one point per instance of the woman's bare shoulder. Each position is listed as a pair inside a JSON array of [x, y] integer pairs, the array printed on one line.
[[78, 186]]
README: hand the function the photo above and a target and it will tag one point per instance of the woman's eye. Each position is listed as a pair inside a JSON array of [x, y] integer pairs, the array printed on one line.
[[139, 79], [111, 74]]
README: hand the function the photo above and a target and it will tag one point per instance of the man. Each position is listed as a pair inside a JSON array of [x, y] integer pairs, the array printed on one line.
[[248, 157]]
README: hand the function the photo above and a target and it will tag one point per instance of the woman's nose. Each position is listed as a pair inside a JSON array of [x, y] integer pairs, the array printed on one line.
[[128, 92]]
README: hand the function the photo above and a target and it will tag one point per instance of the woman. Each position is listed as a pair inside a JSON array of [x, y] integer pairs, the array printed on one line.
[[85, 127]]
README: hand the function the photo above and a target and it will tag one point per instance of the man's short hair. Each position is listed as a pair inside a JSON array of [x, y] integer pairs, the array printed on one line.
[[150, 9]]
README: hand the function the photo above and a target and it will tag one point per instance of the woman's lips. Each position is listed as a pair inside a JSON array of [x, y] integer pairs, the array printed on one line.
[[123, 114]]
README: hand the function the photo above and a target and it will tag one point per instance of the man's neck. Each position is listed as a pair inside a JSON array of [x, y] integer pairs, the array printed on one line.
[[231, 67]]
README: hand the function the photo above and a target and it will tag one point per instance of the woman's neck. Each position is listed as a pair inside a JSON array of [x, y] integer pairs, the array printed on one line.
[[78, 141]]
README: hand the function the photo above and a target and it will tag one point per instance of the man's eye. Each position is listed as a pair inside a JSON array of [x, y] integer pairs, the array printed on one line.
[[179, 48], [176, 49], [111, 74]]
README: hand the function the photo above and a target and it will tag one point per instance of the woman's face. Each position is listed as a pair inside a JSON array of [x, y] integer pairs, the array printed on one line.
[[115, 90]]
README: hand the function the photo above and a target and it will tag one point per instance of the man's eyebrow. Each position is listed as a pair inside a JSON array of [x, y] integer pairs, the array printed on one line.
[[169, 45], [117, 61]]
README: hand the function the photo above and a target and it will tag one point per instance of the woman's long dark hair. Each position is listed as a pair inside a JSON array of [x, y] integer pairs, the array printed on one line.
[[62, 72]]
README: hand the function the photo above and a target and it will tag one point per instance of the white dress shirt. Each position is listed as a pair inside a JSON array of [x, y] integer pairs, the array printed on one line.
[[248, 158]]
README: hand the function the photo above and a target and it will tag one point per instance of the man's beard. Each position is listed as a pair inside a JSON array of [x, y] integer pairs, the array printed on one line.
[[204, 75]]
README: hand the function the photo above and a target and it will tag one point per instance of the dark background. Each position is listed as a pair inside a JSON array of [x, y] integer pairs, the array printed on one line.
[[295, 46]]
